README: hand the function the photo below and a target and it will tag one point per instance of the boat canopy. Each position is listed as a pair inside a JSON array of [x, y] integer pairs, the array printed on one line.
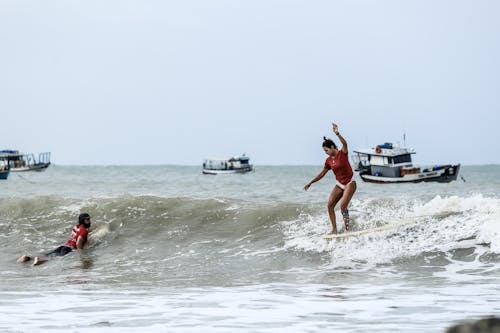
[[388, 152], [10, 152], [242, 159], [10, 155]]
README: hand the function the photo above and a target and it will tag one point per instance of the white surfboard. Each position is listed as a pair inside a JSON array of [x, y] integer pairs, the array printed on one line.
[[367, 231]]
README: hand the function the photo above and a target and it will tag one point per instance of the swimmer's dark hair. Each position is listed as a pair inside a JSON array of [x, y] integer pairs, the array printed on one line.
[[329, 143], [83, 217]]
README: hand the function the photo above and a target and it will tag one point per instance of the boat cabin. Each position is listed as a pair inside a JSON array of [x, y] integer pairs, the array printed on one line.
[[386, 160]]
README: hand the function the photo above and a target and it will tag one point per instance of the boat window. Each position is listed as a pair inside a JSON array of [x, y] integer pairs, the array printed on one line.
[[402, 158]]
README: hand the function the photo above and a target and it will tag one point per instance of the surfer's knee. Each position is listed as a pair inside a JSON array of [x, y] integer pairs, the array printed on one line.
[[332, 203]]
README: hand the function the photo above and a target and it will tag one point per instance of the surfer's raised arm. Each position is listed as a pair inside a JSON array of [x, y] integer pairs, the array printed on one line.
[[341, 138]]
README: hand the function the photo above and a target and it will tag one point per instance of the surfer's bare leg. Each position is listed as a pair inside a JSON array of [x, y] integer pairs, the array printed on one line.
[[332, 201], [39, 261], [24, 258], [346, 199]]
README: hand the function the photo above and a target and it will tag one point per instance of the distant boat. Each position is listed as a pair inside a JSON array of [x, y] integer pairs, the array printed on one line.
[[215, 166], [4, 172], [388, 164], [24, 162]]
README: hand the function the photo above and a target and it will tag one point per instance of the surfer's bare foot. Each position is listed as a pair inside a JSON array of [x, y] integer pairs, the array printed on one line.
[[24, 258], [38, 261], [333, 232]]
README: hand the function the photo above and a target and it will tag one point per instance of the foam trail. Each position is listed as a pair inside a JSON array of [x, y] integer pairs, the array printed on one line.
[[438, 225]]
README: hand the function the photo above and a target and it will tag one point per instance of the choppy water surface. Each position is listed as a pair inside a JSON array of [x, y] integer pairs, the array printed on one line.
[[175, 250]]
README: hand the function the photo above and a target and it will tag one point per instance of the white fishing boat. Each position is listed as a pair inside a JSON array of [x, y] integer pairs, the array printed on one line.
[[388, 164], [25, 162], [216, 166]]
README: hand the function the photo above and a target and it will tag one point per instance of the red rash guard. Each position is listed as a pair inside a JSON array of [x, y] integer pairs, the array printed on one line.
[[340, 166], [78, 231]]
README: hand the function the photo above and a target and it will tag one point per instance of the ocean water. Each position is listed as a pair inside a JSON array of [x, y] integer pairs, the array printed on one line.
[[173, 250]]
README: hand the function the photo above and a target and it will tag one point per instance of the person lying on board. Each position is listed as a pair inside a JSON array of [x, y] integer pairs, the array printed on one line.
[[338, 162], [76, 242]]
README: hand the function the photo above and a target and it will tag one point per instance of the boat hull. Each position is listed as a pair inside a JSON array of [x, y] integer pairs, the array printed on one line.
[[4, 174], [32, 167], [444, 175], [226, 172]]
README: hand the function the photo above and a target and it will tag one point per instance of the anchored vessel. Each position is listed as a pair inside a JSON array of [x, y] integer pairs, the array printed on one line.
[[215, 166], [4, 171], [17, 161], [388, 164]]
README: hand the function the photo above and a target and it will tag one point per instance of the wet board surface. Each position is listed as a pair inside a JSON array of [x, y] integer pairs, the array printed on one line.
[[394, 225], [367, 231]]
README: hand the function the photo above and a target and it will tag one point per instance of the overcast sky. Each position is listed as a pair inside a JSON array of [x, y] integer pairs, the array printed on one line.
[[172, 82]]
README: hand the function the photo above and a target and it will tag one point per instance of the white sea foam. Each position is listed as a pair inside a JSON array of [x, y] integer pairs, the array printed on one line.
[[257, 308], [438, 225], [481, 211]]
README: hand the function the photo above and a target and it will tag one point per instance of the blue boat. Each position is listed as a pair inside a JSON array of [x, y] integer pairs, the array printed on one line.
[[4, 173]]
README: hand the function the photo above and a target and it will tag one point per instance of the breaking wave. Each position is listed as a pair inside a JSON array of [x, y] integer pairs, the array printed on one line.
[[186, 232]]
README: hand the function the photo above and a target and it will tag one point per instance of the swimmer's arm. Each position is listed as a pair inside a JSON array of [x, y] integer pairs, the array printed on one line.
[[80, 242]]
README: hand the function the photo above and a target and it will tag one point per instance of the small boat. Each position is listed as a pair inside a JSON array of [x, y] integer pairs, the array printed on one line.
[[388, 164], [24, 162], [4, 172], [216, 166]]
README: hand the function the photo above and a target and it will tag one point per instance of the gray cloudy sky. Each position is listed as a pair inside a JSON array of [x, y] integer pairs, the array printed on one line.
[[172, 82]]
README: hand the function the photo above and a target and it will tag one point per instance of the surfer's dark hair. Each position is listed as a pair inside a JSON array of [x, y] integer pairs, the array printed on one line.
[[329, 143], [83, 217]]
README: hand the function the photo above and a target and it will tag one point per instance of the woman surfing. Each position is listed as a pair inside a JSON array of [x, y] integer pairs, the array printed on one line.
[[338, 162]]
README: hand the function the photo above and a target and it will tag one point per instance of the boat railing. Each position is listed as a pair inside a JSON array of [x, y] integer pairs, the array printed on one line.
[[29, 160], [43, 158]]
